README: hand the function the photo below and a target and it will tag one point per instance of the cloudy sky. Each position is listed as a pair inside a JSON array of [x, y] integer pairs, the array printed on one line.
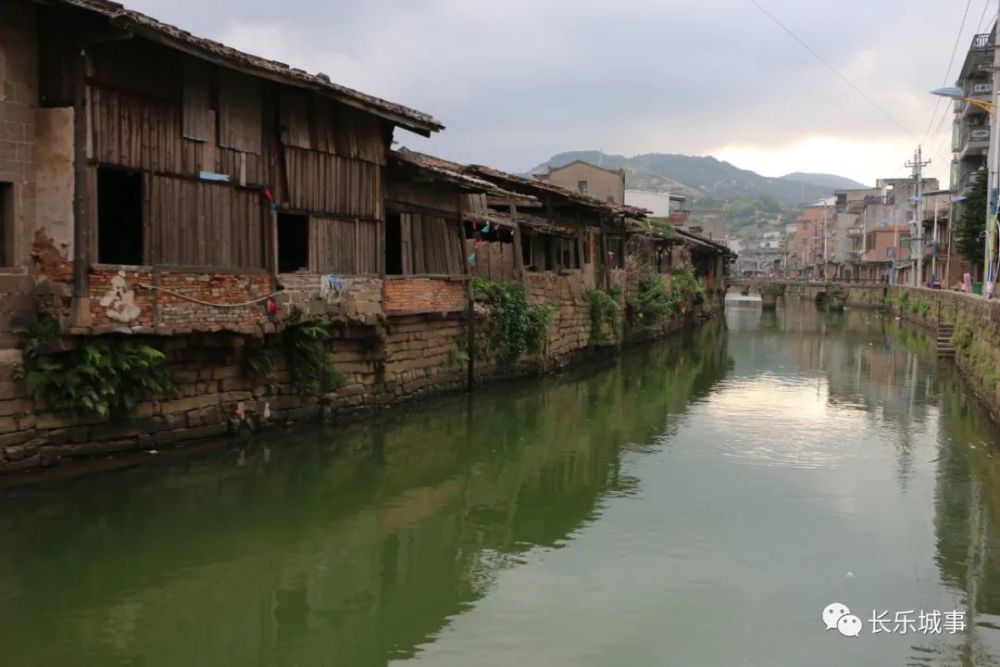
[[516, 81]]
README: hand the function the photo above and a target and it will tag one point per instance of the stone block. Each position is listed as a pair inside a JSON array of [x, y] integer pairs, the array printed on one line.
[[188, 404]]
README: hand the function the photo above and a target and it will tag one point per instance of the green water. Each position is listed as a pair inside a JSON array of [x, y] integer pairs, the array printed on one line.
[[696, 502]]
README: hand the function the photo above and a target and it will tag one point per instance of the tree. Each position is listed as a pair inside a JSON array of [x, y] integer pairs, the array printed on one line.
[[971, 226]]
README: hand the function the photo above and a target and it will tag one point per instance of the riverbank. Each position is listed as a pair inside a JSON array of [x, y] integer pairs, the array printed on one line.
[[976, 324], [976, 335], [235, 385]]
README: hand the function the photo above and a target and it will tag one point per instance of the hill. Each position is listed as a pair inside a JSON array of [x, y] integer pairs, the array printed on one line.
[[825, 180], [703, 177]]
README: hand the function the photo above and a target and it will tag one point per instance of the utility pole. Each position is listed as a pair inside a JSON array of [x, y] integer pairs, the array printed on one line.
[[825, 277], [918, 176], [991, 191], [934, 244]]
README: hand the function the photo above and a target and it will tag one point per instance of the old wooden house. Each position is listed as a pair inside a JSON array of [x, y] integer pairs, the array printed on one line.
[[155, 172]]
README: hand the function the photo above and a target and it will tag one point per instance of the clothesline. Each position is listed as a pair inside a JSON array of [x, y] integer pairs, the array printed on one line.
[[179, 295]]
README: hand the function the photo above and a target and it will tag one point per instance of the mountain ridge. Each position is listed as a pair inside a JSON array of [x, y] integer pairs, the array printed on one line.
[[706, 177]]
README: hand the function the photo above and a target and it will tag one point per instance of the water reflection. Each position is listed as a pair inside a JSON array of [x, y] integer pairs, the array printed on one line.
[[354, 548], [696, 502]]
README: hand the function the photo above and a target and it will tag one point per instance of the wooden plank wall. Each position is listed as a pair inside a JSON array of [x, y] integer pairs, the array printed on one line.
[[204, 224], [493, 260], [345, 247], [432, 245], [140, 106], [324, 183]]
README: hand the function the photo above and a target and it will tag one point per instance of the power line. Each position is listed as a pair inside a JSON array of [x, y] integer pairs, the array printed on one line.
[[833, 69], [982, 18], [951, 62]]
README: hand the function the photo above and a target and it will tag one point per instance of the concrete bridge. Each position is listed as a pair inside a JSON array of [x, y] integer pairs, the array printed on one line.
[[833, 295]]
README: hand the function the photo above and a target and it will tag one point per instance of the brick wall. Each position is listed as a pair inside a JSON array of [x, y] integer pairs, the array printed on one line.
[[417, 295], [18, 102]]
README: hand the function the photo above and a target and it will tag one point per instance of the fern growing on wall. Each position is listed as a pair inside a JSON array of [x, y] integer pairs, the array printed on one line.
[[305, 351], [103, 376]]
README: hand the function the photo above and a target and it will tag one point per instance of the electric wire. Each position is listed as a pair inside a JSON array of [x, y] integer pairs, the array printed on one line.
[[951, 63], [833, 69]]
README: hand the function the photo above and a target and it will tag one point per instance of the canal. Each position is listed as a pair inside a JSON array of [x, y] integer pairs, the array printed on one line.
[[694, 502]]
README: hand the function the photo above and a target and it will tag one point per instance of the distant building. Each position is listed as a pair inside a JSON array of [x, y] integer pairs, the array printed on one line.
[[607, 185], [970, 140], [662, 204], [707, 223]]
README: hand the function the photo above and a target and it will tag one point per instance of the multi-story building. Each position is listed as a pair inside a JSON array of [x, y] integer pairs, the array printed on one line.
[[707, 223], [588, 179], [666, 205], [971, 128]]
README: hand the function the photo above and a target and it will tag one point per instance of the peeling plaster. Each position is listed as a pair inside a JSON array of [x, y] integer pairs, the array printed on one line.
[[119, 301]]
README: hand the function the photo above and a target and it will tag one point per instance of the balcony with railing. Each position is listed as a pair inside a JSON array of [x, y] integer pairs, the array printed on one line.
[[975, 140], [977, 60], [982, 42]]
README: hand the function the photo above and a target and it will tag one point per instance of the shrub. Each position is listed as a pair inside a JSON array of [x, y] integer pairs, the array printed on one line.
[[516, 326], [605, 315]]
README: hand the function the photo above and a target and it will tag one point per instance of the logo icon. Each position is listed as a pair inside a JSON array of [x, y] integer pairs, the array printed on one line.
[[849, 625], [836, 616]]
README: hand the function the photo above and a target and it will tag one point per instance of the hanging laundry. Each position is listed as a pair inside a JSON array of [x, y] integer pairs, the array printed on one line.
[[330, 283], [472, 259]]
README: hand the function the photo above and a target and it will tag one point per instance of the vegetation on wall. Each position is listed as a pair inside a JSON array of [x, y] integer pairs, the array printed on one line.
[[516, 326], [303, 345], [105, 377], [260, 361], [656, 302], [605, 315], [972, 224], [305, 351]]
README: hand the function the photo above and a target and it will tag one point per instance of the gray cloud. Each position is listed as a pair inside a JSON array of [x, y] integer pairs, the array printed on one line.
[[516, 81]]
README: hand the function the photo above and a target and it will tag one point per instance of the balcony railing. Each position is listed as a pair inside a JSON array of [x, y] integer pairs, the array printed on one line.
[[982, 42]]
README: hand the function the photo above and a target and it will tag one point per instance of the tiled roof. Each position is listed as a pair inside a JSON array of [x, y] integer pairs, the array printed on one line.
[[174, 37]]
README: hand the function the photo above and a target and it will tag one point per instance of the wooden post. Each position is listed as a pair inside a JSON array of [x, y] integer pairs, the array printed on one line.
[[81, 226], [470, 310], [271, 245], [518, 246], [603, 264]]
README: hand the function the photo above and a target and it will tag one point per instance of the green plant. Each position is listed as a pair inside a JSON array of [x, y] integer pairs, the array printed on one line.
[[260, 361], [103, 377], [605, 316], [687, 287], [305, 350], [969, 228], [655, 301], [516, 326], [457, 356]]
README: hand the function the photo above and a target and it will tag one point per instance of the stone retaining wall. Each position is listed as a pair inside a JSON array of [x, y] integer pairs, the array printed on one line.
[[385, 358]]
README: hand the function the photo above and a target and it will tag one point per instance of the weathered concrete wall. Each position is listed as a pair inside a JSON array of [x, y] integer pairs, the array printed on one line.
[[55, 177]]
